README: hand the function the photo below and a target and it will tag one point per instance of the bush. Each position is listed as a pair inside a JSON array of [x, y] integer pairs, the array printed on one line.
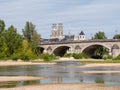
[[47, 57], [117, 58], [76, 55], [67, 55], [24, 57], [15, 57], [2, 55], [79, 56]]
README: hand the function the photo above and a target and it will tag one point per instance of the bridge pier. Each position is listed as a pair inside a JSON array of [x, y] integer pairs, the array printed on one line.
[[115, 50], [87, 47]]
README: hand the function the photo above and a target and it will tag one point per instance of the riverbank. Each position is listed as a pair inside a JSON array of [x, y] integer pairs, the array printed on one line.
[[19, 78], [19, 63], [66, 87], [93, 63]]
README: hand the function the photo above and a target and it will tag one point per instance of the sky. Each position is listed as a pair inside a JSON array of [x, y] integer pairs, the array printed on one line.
[[89, 16]]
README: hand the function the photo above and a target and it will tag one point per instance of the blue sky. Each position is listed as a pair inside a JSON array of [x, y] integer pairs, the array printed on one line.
[[90, 16]]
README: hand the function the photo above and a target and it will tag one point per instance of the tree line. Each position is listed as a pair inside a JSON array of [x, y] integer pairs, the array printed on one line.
[[16, 46]]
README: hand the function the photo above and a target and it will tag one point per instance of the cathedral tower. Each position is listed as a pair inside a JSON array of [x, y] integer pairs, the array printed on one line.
[[57, 31], [54, 31], [60, 31]]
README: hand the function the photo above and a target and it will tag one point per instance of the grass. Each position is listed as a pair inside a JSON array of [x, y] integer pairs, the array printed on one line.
[[92, 61]]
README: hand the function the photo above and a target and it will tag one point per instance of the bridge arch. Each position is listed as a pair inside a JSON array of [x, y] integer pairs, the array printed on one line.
[[90, 49], [41, 49], [60, 50]]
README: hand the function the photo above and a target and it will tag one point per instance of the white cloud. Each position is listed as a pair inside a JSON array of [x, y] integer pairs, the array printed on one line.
[[89, 14]]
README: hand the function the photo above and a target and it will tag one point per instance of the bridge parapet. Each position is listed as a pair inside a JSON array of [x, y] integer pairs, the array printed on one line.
[[83, 41], [81, 46]]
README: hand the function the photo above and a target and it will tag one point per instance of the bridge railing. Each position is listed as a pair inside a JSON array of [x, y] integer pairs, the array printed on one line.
[[82, 41]]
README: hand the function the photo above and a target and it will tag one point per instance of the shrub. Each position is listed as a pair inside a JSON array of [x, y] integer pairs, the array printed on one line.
[[47, 57], [117, 58], [67, 55], [2, 55], [15, 57], [24, 57], [76, 55]]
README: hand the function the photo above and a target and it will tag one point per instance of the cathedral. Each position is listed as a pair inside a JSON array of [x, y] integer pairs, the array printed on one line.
[[57, 34]]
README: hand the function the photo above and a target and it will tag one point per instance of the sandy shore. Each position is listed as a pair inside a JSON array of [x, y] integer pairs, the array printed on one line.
[[102, 65], [17, 63], [66, 87], [19, 78]]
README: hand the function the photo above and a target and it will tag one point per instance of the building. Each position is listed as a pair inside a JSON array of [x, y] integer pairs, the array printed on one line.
[[57, 34], [81, 36]]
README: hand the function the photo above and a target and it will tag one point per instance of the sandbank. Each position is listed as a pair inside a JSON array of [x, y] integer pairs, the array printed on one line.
[[18, 63], [66, 87], [19, 78]]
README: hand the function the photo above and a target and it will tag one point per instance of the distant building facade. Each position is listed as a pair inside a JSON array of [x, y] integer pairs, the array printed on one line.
[[57, 32], [58, 35], [81, 36]]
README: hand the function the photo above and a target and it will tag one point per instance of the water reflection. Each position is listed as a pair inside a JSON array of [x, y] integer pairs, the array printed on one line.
[[60, 74]]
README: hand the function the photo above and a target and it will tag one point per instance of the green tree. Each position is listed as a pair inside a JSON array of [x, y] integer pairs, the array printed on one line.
[[4, 51], [99, 35], [3, 45], [117, 36], [31, 35], [28, 31], [13, 40], [2, 26], [101, 52], [35, 41], [26, 53], [2, 29]]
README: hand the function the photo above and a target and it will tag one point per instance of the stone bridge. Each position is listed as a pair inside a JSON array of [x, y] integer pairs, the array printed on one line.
[[87, 47]]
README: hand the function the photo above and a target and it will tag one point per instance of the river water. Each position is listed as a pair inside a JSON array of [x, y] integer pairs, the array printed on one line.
[[60, 74]]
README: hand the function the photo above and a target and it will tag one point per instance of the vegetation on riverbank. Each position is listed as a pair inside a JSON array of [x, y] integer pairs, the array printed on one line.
[[16, 46], [76, 55], [98, 61]]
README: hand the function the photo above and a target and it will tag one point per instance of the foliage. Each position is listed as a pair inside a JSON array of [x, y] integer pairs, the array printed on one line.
[[48, 57], [15, 57], [76, 55], [26, 52], [31, 35], [12, 44], [2, 43], [12, 39], [117, 36], [28, 31], [23, 53], [2, 26], [67, 54], [101, 53], [99, 35], [117, 58], [107, 57], [35, 40], [2, 55], [79, 55]]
